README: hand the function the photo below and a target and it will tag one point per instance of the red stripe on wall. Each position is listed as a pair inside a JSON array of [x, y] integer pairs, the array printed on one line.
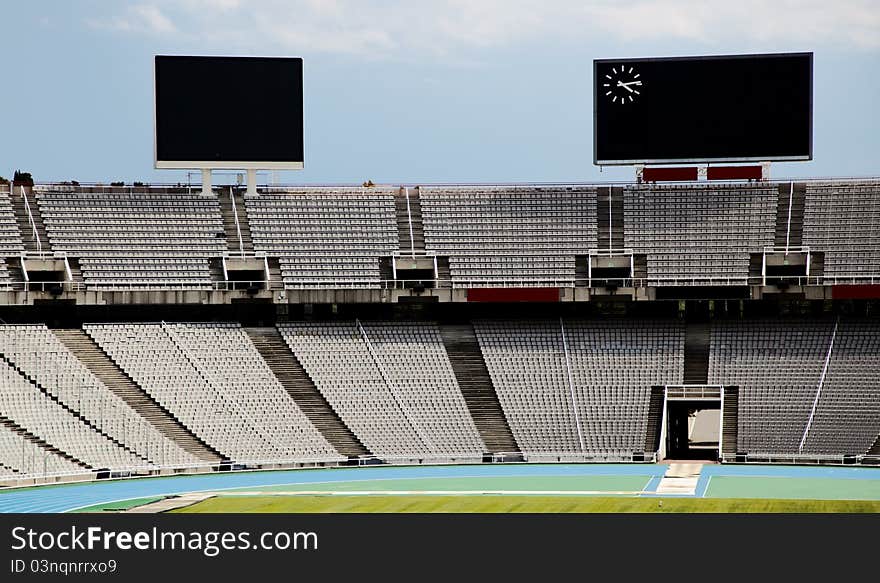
[[669, 174], [513, 294], [733, 173], [855, 292]]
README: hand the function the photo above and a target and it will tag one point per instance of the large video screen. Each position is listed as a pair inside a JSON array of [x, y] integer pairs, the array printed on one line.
[[703, 109], [228, 112]]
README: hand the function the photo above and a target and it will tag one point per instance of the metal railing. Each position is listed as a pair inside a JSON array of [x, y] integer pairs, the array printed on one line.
[[254, 465], [693, 392], [87, 186], [401, 284], [800, 459], [237, 225], [33, 223]]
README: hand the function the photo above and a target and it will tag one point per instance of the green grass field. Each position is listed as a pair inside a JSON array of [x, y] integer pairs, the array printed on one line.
[[532, 504]]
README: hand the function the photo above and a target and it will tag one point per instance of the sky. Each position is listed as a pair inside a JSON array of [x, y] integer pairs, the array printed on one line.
[[404, 91]]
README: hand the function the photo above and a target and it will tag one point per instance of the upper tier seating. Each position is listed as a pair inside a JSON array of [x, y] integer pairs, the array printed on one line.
[[509, 235], [136, 239], [394, 388], [10, 238], [212, 378], [699, 234], [843, 221], [325, 237]]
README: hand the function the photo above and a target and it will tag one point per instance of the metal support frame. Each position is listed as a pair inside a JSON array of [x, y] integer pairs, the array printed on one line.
[[787, 250]]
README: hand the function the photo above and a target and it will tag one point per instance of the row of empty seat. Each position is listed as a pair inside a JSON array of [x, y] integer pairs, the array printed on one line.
[[568, 388], [10, 238], [214, 381], [842, 220], [699, 234], [327, 237], [790, 402], [45, 360], [22, 457], [135, 238], [32, 410], [392, 384], [580, 386], [503, 234]]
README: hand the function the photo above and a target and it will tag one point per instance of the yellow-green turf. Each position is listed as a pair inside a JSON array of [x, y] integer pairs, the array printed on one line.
[[534, 504]]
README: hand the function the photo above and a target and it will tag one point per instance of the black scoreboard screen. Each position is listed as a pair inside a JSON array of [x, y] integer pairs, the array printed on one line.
[[228, 112], [703, 109]]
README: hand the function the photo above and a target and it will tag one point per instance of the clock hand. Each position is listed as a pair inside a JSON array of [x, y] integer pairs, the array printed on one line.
[[625, 86], [631, 83]]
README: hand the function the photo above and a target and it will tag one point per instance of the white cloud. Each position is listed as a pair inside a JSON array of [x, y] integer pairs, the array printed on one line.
[[399, 28], [142, 18], [153, 18]]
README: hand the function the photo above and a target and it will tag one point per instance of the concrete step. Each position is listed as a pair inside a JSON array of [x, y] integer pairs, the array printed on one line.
[[296, 381], [102, 366]]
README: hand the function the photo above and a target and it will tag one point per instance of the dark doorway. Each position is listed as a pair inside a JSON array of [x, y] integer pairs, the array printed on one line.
[[692, 430]]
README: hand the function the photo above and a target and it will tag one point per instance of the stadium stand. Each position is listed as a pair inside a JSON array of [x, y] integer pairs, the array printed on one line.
[[842, 220], [20, 456], [580, 387], [214, 380], [134, 238], [10, 237], [291, 374], [614, 364], [429, 374], [392, 384], [41, 357], [777, 366], [525, 235], [847, 416], [791, 401], [325, 237], [31, 408], [526, 361], [698, 234]]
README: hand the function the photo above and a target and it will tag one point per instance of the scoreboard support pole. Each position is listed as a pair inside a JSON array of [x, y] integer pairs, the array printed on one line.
[[207, 187], [252, 181]]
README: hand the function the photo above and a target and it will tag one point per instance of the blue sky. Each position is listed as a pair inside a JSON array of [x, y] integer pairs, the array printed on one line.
[[405, 91]]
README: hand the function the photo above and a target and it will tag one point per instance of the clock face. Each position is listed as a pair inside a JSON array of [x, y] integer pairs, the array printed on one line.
[[622, 84]]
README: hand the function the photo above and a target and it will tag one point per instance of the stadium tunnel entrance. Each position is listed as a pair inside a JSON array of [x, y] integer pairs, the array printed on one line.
[[692, 424]]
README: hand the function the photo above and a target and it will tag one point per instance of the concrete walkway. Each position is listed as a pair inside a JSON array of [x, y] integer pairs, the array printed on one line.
[[680, 479]]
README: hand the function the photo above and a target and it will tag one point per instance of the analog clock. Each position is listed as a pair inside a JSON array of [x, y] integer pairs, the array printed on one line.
[[621, 84]]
